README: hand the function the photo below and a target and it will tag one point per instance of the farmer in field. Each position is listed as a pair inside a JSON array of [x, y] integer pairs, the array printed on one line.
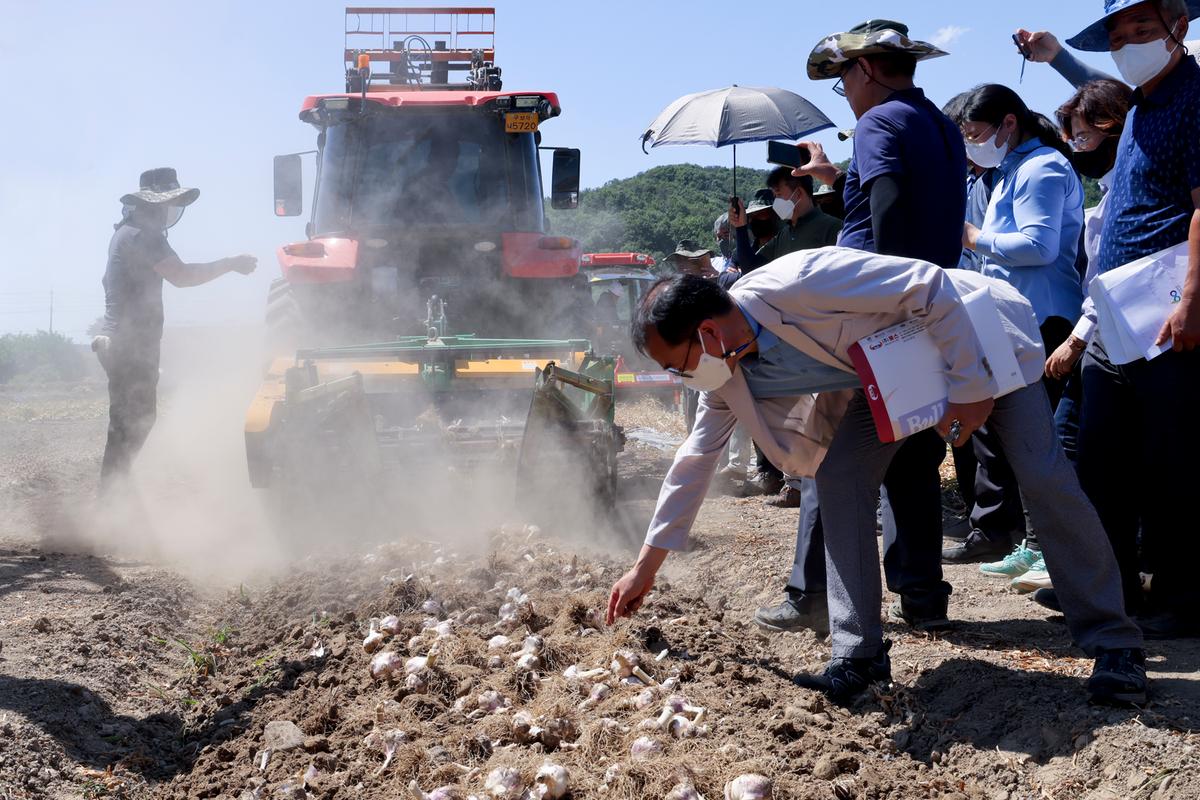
[[773, 355], [139, 258]]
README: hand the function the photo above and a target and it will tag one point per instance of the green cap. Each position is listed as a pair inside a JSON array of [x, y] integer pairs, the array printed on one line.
[[688, 248], [873, 37]]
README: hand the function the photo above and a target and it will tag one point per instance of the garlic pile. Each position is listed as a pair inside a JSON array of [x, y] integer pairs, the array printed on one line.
[[679, 718]]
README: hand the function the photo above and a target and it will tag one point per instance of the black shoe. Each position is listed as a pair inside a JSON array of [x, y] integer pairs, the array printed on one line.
[[977, 547], [929, 616], [798, 612], [1118, 677], [1168, 625], [787, 498], [846, 678], [768, 483], [1047, 598], [956, 529]]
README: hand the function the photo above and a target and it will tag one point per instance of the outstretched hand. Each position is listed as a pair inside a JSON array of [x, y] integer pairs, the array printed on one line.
[[244, 264], [1040, 46], [628, 594]]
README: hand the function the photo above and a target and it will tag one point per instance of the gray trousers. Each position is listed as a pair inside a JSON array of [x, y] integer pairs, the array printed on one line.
[[1077, 551]]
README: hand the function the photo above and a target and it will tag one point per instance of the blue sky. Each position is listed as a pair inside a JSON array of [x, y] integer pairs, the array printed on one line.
[[97, 92]]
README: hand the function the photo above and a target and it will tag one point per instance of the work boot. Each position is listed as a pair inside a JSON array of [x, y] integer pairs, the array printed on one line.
[[927, 616], [789, 497], [846, 678], [767, 483], [977, 547], [1118, 677], [799, 611]]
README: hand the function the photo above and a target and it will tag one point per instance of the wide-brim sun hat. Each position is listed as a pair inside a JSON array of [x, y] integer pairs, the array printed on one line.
[[160, 186], [688, 248], [874, 37], [764, 200], [1094, 37]]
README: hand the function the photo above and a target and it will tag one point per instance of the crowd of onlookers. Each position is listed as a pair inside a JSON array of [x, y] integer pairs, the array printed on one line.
[[986, 184]]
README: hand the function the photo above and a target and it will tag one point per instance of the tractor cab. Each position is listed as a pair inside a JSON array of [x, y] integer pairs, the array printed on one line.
[[618, 282]]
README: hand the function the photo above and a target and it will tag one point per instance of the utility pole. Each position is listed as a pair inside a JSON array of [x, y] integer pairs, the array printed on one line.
[[52, 311]]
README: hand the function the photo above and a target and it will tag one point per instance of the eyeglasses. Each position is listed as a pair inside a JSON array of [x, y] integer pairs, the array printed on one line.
[[982, 137], [679, 373], [1086, 141], [839, 88]]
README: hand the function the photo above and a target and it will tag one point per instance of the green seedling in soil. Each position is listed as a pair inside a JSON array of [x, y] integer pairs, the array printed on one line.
[[94, 789], [158, 692], [222, 635], [202, 662]]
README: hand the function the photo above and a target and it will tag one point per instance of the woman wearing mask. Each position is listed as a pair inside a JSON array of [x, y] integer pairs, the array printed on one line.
[[1091, 122], [1029, 238], [1030, 234]]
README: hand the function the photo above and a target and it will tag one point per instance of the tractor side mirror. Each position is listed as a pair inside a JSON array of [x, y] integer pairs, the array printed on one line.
[[564, 179], [289, 186]]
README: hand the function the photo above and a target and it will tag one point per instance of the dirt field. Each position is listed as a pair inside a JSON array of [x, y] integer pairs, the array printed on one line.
[[136, 664]]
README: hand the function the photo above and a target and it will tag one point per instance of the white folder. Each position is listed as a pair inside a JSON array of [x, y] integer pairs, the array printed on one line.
[[1133, 301]]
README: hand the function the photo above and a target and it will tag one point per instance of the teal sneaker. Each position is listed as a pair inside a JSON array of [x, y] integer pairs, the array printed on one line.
[[1037, 577], [1018, 562]]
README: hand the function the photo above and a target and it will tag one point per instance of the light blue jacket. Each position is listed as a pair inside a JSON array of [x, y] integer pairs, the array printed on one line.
[[1030, 236]]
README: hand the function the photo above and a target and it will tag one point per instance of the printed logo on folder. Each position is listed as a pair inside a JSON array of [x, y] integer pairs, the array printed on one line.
[[904, 373]]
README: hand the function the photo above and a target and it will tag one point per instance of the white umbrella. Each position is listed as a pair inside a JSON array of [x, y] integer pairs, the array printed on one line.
[[733, 116]]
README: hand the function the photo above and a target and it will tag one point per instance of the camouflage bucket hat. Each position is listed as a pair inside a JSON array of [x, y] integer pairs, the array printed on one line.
[[874, 37]]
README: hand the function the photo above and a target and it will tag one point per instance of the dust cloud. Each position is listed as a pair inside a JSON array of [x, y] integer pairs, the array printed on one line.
[[188, 503]]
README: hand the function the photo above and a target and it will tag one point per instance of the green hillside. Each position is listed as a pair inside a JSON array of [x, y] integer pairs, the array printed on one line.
[[651, 211]]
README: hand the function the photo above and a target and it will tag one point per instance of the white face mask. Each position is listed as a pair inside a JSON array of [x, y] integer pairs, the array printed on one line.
[[987, 154], [785, 206], [711, 372], [1141, 63]]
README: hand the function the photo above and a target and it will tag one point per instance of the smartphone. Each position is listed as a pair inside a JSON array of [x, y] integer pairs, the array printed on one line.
[[787, 155]]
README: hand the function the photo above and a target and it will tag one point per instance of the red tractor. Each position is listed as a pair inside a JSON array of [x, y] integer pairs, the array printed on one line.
[[430, 299]]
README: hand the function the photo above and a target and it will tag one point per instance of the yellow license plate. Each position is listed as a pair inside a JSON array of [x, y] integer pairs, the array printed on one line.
[[521, 122]]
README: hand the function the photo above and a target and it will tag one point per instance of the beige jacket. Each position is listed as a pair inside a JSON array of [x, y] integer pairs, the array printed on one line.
[[821, 302]]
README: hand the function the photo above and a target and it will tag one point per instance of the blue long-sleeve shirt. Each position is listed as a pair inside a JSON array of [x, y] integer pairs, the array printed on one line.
[[1030, 236]]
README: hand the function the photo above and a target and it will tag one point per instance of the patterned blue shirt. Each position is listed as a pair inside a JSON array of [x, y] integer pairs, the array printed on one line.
[[780, 370], [1158, 165]]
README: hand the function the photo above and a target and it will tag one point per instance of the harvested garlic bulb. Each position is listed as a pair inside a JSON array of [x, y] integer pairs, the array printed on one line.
[[503, 783], [749, 787], [552, 779], [391, 625], [644, 747], [374, 639], [384, 664], [683, 790]]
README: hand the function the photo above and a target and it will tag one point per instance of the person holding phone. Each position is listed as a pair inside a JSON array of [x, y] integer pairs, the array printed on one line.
[[802, 225]]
